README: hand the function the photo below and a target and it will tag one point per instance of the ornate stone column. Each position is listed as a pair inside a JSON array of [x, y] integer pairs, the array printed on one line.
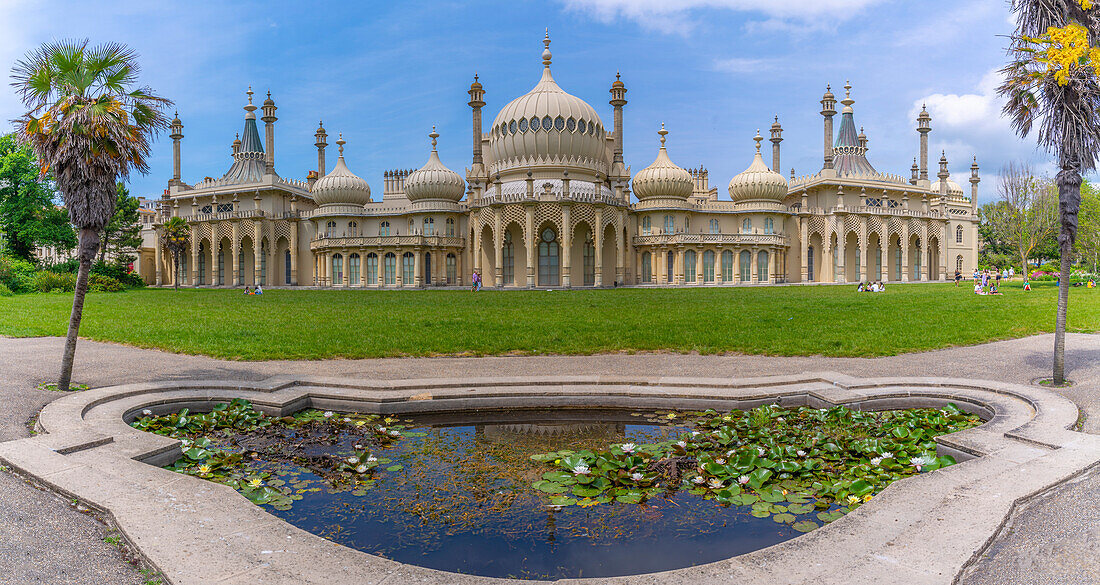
[[418, 278], [158, 260], [214, 248], [194, 257], [755, 278], [293, 247], [498, 248], [804, 247], [597, 241], [567, 247], [532, 241], [236, 255], [620, 248]]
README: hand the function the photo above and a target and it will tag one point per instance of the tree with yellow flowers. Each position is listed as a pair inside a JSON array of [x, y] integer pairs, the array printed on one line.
[[1052, 83]]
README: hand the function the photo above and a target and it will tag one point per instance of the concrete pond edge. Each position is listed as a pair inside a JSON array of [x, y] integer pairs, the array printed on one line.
[[924, 529]]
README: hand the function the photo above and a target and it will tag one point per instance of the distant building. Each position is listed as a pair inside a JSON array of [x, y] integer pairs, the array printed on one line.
[[546, 202]]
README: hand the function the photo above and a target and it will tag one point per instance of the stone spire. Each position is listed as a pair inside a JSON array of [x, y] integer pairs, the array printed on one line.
[[176, 136], [828, 110], [777, 137], [477, 101], [924, 126], [618, 100], [322, 142], [269, 133], [974, 180], [943, 174], [915, 172]]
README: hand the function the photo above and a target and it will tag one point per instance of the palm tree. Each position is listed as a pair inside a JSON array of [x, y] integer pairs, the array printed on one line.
[[1051, 82], [175, 235], [89, 126]]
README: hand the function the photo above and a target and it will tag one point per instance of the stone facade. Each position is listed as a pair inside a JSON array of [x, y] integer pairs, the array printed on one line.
[[547, 202]]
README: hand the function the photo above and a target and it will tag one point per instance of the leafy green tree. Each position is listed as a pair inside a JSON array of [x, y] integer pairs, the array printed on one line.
[[175, 233], [29, 218], [1023, 216], [122, 235], [1088, 232], [88, 125]]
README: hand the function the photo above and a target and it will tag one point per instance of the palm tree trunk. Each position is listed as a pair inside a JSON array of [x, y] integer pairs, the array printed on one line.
[[1069, 204], [176, 270], [87, 248]]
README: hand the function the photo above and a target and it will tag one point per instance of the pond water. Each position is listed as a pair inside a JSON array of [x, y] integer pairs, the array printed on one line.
[[462, 501]]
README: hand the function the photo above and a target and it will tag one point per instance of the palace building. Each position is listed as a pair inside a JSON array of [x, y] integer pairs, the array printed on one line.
[[549, 201]]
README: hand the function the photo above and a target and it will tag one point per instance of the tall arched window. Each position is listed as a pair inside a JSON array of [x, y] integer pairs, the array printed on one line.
[[408, 269], [689, 266], [589, 259], [746, 226], [897, 261], [509, 259], [221, 267], [916, 261], [353, 228], [337, 269], [330, 229], [727, 266], [429, 226], [549, 256], [647, 267], [389, 268], [708, 266], [286, 265], [762, 266], [353, 270], [384, 228], [427, 273], [372, 269], [744, 263], [202, 264], [836, 263], [857, 262], [670, 267], [878, 263], [181, 277], [687, 223], [450, 227], [669, 224], [714, 227], [769, 226], [959, 263], [647, 226], [959, 234], [452, 267], [810, 264]]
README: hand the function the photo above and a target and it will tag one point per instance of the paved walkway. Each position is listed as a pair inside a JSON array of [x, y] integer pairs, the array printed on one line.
[[71, 550]]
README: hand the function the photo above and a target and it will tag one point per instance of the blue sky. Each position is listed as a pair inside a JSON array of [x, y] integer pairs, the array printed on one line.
[[712, 70]]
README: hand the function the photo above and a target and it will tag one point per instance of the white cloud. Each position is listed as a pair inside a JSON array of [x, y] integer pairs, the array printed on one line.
[[743, 65], [676, 16]]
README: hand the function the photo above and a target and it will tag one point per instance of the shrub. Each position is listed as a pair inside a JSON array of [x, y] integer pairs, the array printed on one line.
[[16, 273], [47, 281], [119, 273], [100, 283], [5, 291], [70, 265]]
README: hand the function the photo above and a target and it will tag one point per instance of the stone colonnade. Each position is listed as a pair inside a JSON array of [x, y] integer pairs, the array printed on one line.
[[860, 248]]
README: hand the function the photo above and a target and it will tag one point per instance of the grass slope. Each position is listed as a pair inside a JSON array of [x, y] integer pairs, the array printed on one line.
[[316, 324]]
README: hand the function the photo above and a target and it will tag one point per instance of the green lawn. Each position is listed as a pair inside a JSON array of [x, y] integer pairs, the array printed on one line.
[[808, 320]]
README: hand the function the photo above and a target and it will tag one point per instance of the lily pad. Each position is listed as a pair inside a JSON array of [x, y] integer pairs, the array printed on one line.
[[784, 518], [804, 525]]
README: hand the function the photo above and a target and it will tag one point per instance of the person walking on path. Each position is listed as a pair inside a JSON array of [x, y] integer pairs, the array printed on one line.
[[958, 278]]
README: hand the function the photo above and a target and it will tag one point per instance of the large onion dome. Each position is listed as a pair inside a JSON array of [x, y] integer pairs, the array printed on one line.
[[663, 178], [758, 182], [547, 126], [341, 186], [433, 180]]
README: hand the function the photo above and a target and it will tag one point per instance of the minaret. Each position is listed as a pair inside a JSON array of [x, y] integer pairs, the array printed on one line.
[[828, 110], [176, 136], [777, 137], [618, 100], [237, 145], [943, 174], [862, 141], [269, 133], [477, 101], [915, 172], [322, 142], [924, 126], [974, 180]]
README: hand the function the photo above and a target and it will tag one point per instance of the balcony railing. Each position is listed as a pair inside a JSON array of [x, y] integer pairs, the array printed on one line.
[[323, 241], [868, 209], [699, 239]]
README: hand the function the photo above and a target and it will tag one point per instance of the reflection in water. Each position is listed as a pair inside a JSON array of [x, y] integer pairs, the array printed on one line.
[[463, 502]]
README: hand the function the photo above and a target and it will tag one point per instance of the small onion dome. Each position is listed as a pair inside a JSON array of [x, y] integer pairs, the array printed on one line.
[[341, 186], [433, 180], [758, 182], [663, 178]]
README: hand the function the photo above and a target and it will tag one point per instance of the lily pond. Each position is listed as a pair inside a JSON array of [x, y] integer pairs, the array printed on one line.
[[559, 494]]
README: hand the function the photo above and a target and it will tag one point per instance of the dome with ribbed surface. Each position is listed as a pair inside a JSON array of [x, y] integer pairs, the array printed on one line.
[[547, 126], [434, 180], [758, 182], [341, 186], [663, 178]]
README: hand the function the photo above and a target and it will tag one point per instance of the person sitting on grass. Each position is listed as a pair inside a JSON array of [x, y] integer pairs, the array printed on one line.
[[993, 289], [860, 287], [978, 290], [247, 290], [259, 290], [1027, 285], [1092, 283]]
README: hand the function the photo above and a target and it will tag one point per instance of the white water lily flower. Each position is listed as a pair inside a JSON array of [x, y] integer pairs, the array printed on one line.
[[720, 461], [358, 447], [204, 469], [920, 462], [887, 455], [801, 453], [682, 444], [780, 419], [698, 479], [627, 447], [371, 459], [695, 433], [715, 484], [636, 476], [352, 460], [329, 414], [730, 453], [760, 452], [395, 434], [876, 460], [147, 412], [346, 419], [743, 479], [581, 469], [361, 469]]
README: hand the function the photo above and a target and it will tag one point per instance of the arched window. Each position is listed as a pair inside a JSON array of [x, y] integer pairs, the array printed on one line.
[[509, 259], [744, 265], [727, 266], [959, 234], [762, 258], [916, 260], [337, 269], [452, 264], [897, 260], [670, 268], [330, 229], [450, 227], [389, 268], [221, 267], [202, 264], [548, 258], [263, 262], [669, 225], [429, 226], [746, 226], [412, 226], [647, 226], [810, 264], [384, 228], [372, 269], [689, 266], [708, 266], [427, 275], [408, 269], [769, 226], [714, 227], [878, 262], [647, 267], [589, 256], [959, 263], [353, 270], [181, 277], [353, 228], [687, 223], [286, 265]]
